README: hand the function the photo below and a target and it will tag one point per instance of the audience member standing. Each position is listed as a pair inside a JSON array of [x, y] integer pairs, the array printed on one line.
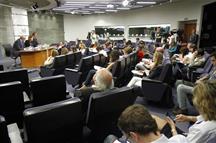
[[194, 37]]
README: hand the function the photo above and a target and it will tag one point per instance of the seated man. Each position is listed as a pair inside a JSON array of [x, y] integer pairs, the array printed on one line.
[[138, 126], [186, 88], [103, 81], [18, 45]]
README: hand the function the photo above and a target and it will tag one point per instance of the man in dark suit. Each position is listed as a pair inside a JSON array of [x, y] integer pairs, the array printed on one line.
[[103, 81], [18, 45]]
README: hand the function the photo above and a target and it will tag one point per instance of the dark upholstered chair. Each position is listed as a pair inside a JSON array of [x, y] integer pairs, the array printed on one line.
[[78, 75], [56, 68], [16, 75], [104, 109], [4, 137], [9, 52], [1, 67], [12, 102], [103, 60], [96, 59], [70, 60], [159, 90], [48, 90], [59, 122], [78, 57]]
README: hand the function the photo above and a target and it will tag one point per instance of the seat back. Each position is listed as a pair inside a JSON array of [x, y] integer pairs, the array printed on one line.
[[207, 66], [166, 73], [70, 60], [1, 67], [4, 137], [8, 49], [59, 61], [96, 59], [59, 122], [86, 64], [12, 102], [103, 60], [16, 75], [78, 57], [48, 90], [104, 109]]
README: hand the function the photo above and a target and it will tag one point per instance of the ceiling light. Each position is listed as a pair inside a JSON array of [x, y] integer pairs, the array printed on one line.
[[99, 12], [110, 6], [80, 2], [145, 2], [98, 7], [72, 12], [125, 3], [111, 10], [123, 8]]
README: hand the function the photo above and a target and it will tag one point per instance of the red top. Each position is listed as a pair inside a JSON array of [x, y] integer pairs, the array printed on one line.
[[140, 55]]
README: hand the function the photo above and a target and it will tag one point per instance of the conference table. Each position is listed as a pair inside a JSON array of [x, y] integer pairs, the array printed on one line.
[[34, 57]]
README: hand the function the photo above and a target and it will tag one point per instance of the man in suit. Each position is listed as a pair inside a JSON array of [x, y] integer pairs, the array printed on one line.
[[103, 81], [18, 45]]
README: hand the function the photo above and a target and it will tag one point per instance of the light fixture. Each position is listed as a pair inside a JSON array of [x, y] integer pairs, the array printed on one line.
[[125, 3], [111, 10], [110, 6], [98, 7], [99, 12], [72, 12], [145, 2], [123, 8]]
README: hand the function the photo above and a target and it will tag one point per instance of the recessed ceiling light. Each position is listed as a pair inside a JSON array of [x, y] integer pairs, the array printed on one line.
[[145, 2], [72, 12], [123, 8], [110, 6], [111, 10], [125, 3]]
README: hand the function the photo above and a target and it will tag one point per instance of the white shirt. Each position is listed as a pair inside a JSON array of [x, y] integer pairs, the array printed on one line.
[[202, 131], [173, 139]]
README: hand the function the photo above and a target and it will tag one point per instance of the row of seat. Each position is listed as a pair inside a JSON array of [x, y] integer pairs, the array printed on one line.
[[60, 63], [61, 120], [75, 76]]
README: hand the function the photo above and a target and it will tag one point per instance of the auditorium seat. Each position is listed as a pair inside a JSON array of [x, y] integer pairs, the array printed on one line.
[[104, 109], [12, 102], [56, 68], [103, 60], [78, 57], [78, 75], [70, 60], [159, 90], [48, 90], [16, 75], [4, 137], [59, 122], [1, 67], [96, 59]]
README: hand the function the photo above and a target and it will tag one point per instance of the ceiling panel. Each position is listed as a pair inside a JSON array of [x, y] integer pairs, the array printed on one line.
[[103, 6]]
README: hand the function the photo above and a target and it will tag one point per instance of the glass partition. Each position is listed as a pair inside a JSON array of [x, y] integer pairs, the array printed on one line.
[[149, 31], [110, 31]]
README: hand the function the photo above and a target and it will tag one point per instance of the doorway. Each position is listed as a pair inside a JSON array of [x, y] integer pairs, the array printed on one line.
[[188, 27]]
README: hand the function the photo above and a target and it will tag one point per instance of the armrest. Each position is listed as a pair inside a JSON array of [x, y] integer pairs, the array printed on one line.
[[72, 76], [151, 80]]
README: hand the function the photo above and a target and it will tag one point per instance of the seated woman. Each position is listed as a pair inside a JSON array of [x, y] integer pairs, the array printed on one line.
[[154, 71], [28, 42], [126, 51], [114, 56], [50, 59], [64, 51]]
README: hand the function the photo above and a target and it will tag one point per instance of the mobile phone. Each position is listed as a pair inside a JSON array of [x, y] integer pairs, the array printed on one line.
[[171, 116]]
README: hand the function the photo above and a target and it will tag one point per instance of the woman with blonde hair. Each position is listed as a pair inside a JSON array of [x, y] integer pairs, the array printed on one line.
[[64, 51], [204, 128], [151, 69], [50, 59]]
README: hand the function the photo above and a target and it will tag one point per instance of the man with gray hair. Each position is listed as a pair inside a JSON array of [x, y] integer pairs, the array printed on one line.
[[103, 81]]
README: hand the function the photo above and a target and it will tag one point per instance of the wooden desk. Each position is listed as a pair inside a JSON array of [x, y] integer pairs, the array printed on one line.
[[34, 58]]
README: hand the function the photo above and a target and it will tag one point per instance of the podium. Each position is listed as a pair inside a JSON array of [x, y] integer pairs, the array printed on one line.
[[34, 58]]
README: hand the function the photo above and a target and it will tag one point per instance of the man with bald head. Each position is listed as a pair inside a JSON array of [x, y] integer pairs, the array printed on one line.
[[18, 45], [103, 81]]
